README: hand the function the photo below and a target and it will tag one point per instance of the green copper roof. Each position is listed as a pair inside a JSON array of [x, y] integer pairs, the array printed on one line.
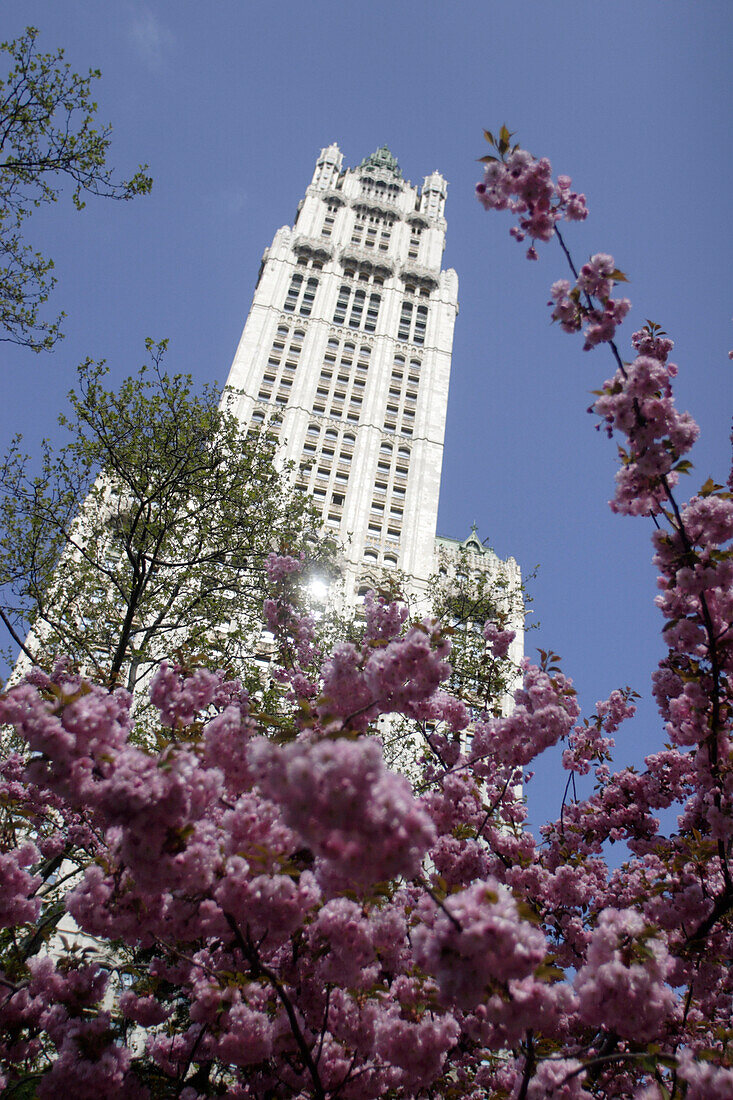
[[383, 159]]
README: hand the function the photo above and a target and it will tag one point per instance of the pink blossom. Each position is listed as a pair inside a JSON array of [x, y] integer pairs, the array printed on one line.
[[622, 986], [346, 806], [476, 940]]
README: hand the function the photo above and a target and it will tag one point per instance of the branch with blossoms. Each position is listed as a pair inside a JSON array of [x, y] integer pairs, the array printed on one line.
[[692, 687]]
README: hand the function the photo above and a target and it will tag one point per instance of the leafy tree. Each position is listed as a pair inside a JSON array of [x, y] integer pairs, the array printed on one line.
[[146, 533], [47, 137], [468, 596]]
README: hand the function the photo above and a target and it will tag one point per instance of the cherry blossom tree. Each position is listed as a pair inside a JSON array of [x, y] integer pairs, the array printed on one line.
[[265, 910]]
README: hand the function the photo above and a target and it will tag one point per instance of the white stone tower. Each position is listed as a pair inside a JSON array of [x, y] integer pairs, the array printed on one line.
[[349, 337], [348, 345]]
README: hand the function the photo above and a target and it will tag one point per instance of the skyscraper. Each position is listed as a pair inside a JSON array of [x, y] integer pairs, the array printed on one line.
[[348, 346]]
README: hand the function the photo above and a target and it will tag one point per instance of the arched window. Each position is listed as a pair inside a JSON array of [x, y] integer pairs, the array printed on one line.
[[313, 429]]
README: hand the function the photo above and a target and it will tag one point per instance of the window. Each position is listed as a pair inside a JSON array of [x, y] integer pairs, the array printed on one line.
[[421, 321], [414, 245], [308, 296], [413, 323], [329, 219], [341, 304], [403, 331], [357, 308], [372, 313], [293, 293]]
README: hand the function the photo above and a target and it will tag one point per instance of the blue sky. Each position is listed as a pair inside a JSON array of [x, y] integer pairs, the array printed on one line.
[[230, 101]]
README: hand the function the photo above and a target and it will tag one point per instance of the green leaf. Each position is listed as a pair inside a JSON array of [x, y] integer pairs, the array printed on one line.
[[709, 488]]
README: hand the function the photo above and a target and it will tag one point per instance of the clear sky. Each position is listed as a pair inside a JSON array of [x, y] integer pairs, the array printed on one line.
[[230, 102]]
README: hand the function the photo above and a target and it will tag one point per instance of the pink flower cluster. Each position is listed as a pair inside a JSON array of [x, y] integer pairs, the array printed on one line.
[[574, 308], [622, 986], [544, 711], [477, 941], [499, 640], [524, 185], [638, 403], [360, 683], [347, 807]]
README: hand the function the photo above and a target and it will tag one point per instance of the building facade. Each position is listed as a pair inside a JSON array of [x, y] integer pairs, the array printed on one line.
[[347, 352]]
